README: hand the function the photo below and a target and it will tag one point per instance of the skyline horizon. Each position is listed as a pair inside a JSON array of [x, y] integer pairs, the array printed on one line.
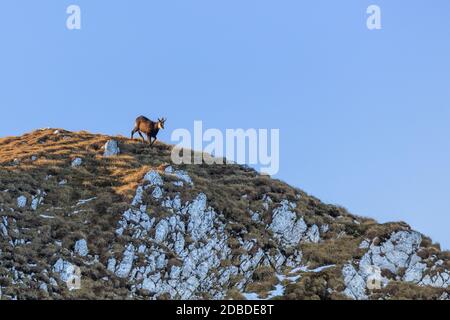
[[363, 114], [226, 162]]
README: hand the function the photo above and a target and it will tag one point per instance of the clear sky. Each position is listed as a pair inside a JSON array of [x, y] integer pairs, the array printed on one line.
[[363, 115]]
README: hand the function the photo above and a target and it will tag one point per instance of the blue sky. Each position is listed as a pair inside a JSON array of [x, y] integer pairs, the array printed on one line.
[[363, 115]]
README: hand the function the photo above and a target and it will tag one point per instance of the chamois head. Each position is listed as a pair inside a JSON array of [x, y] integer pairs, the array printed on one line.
[[161, 122]]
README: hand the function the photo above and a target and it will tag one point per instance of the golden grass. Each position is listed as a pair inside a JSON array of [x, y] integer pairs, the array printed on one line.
[[113, 181]]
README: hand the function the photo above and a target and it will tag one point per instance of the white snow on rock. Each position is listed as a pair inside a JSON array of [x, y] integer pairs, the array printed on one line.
[[84, 201], [111, 148], [252, 296], [77, 162], [322, 268], [81, 248], [21, 202], [277, 292]]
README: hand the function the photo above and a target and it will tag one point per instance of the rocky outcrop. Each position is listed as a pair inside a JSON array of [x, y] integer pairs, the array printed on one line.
[[186, 252], [76, 162], [81, 248], [37, 200], [137, 227], [355, 283], [398, 252], [290, 229], [111, 148], [21, 202]]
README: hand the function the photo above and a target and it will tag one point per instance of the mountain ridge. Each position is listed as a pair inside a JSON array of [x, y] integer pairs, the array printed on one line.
[[137, 227]]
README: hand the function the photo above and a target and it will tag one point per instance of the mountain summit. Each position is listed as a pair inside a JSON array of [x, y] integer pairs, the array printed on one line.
[[87, 216]]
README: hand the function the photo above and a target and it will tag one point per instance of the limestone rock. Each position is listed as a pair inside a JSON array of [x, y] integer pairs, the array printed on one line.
[[286, 226], [77, 162], [21, 202], [81, 248], [111, 148]]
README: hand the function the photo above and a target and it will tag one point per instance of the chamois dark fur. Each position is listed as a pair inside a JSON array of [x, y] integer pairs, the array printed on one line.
[[148, 127]]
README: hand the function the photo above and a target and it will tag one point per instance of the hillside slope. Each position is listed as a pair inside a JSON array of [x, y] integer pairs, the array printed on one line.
[[135, 227]]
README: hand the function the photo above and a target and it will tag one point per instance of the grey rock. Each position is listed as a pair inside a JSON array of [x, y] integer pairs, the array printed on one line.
[[286, 226], [77, 162], [81, 248], [125, 266], [43, 287], [64, 269], [200, 219], [21, 202], [162, 229], [37, 200], [111, 148], [137, 200], [355, 283], [157, 193], [111, 265], [313, 234], [154, 178]]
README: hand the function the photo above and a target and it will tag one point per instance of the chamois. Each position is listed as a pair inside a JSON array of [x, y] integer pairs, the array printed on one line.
[[148, 127]]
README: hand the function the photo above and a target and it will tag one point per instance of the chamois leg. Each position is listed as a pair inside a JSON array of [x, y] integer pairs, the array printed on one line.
[[133, 132], [154, 140], [143, 139], [149, 139]]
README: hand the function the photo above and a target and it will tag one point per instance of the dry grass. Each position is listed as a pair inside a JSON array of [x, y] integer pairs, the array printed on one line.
[[406, 291], [113, 181], [333, 251], [325, 285]]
